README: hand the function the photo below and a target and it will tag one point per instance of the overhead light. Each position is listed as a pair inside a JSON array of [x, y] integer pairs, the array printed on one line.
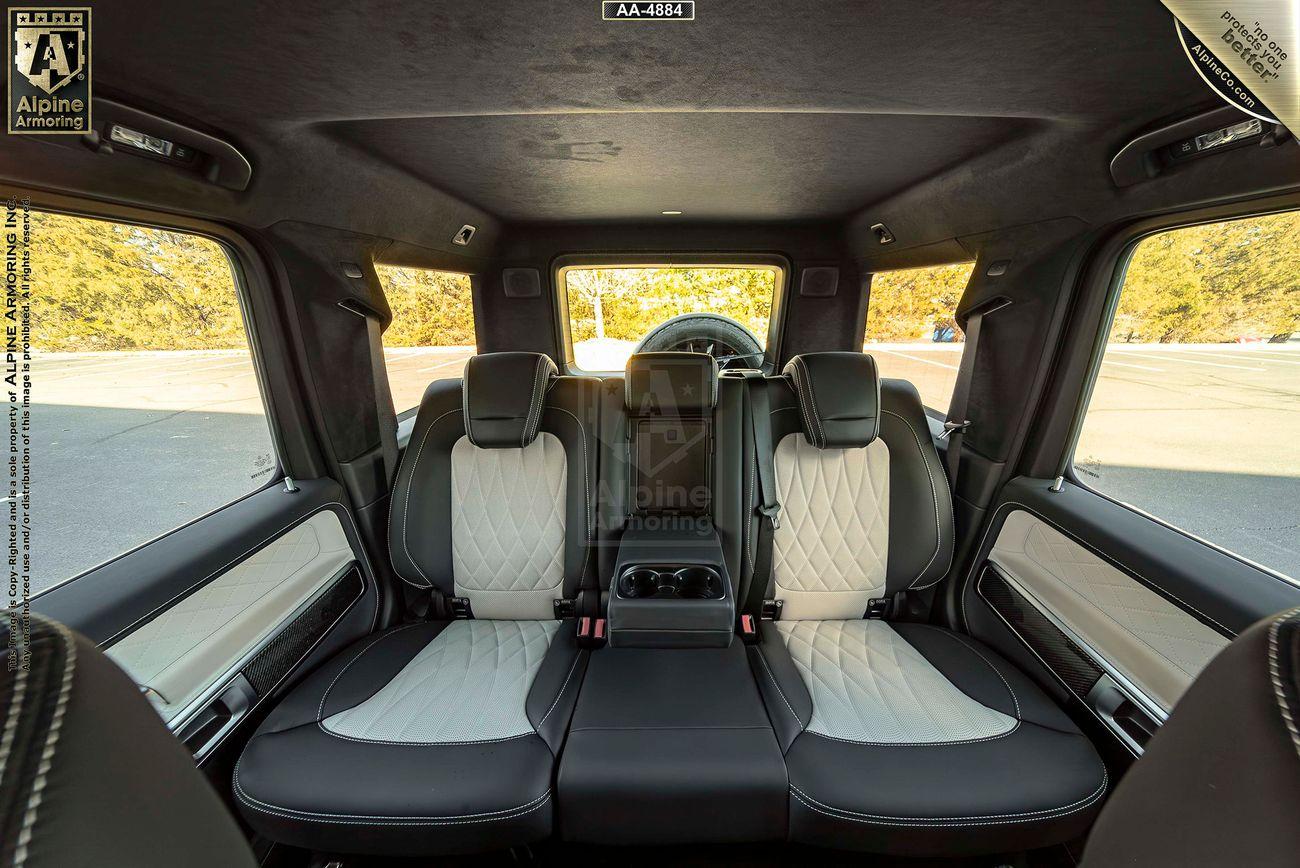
[[671, 213]]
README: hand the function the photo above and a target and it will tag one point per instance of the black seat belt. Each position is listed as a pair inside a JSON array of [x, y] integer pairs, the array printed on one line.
[[958, 422], [769, 508], [385, 414]]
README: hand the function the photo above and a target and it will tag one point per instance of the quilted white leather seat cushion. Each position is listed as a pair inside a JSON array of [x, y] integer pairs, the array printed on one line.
[[469, 684], [831, 549], [869, 685], [507, 530]]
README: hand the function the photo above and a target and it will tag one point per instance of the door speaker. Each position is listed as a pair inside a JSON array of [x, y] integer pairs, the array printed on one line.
[[819, 282], [522, 282]]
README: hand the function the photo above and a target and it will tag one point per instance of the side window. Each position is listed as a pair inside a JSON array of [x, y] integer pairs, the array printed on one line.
[[432, 333], [146, 410], [911, 329], [1195, 413]]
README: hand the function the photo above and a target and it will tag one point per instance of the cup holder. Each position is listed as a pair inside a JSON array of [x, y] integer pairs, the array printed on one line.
[[687, 583]]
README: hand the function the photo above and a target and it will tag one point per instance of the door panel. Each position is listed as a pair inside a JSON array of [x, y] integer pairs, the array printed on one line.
[[184, 649], [1107, 606], [1157, 645], [213, 619]]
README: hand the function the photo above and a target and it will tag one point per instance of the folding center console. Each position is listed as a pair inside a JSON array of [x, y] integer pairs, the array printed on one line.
[[670, 741]]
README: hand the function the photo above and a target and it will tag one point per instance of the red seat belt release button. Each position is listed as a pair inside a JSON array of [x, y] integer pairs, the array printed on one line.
[[584, 627], [600, 629], [747, 625]]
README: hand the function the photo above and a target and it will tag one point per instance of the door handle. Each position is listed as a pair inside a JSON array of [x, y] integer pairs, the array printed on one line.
[[202, 733], [1122, 715]]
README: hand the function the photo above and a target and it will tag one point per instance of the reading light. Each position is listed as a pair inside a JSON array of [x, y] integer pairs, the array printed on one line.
[[671, 213]]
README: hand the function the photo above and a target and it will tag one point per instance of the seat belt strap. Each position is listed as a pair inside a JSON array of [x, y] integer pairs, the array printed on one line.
[[769, 508], [958, 421], [384, 412]]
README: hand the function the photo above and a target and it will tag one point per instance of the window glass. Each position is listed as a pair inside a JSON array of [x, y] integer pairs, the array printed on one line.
[[432, 332], [612, 309], [1195, 415], [146, 410], [911, 329]]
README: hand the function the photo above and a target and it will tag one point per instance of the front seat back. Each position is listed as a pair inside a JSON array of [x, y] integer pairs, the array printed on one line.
[[1219, 782], [88, 773]]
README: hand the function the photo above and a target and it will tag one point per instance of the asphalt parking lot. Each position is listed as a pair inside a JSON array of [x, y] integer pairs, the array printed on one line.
[[129, 445]]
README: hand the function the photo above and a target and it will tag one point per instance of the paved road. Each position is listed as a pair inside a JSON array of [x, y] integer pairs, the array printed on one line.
[[128, 446]]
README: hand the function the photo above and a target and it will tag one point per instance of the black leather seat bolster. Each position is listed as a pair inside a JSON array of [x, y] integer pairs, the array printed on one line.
[[1039, 784], [300, 784], [1219, 782]]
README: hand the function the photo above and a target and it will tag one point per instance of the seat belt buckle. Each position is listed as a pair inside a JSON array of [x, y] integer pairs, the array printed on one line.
[[584, 628], [749, 630], [772, 513], [949, 427], [878, 609], [598, 633], [771, 610], [460, 609]]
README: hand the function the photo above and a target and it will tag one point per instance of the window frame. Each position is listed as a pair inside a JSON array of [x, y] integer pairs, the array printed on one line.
[[1119, 251], [560, 300], [934, 414], [252, 290], [408, 415]]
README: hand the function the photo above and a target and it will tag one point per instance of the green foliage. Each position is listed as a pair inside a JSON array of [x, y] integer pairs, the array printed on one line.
[[626, 303], [909, 305], [109, 286], [430, 308]]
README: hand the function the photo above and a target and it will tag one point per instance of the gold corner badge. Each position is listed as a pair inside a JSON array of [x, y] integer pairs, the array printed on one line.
[[49, 70]]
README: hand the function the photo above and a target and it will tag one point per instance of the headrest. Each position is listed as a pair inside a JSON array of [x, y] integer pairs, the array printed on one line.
[[839, 398], [671, 384], [503, 395]]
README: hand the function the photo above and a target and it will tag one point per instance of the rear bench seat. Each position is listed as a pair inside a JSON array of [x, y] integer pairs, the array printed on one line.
[[442, 736], [898, 737]]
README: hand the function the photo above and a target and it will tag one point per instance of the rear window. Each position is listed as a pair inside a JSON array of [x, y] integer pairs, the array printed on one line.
[[432, 332], [912, 328], [612, 309]]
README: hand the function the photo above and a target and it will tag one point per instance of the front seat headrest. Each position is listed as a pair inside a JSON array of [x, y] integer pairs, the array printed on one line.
[[503, 396], [839, 398], [671, 384]]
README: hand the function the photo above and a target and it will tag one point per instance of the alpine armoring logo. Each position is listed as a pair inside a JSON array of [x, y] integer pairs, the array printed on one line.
[[49, 70]]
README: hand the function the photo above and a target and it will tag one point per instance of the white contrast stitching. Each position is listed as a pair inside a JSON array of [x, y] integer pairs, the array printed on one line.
[[779, 691], [563, 687], [1010, 731], [934, 494], [11, 721], [1275, 675], [51, 745], [406, 504], [320, 711], [954, 822], [962, 639], [978, 563], [812, 398], [535, 405]]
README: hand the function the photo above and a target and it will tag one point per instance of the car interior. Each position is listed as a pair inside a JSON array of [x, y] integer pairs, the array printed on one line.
[[652, 543]]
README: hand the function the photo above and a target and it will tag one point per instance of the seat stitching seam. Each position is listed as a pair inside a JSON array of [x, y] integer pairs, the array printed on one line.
[[588, 517], [961, 639], [436, 819], [320, 711], [563, 687], [779, 691], [1275, 676], [406, 503], [535, 405], [921, 743], [812, 398], [952, 822], [934, 496], [36, 796], [1027, 816], [333, 734]]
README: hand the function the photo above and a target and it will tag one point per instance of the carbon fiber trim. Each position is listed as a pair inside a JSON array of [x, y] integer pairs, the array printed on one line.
[[1056, 649], [284, 651]]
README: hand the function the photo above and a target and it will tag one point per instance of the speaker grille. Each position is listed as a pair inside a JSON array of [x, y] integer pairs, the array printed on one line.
[[820, 281], [521, 282], [1056, 649], [283, 652]]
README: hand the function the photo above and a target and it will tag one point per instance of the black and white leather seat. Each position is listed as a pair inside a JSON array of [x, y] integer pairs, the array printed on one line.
[[898, 737], [441, 736]]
